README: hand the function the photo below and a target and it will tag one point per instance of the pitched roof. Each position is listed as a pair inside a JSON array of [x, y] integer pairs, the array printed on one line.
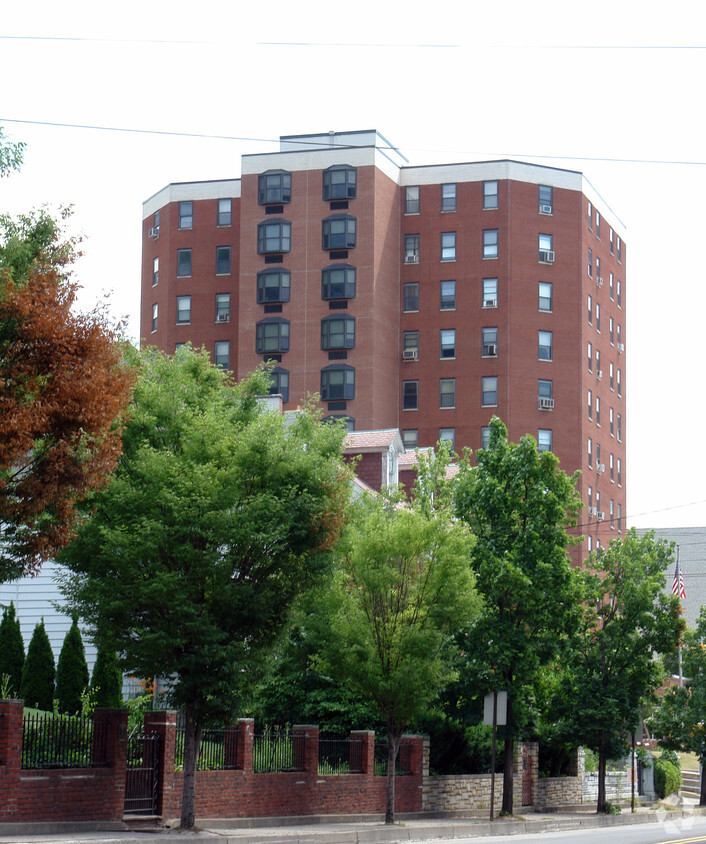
[[357, 441]]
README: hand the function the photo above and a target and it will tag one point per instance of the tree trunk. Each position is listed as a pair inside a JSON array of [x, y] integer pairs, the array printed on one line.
[[702, 796], [600, 807], [393, 742], [508, 771], [192, 744]]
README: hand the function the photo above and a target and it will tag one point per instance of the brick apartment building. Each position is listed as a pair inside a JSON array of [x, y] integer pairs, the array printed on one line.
[[421, 298]]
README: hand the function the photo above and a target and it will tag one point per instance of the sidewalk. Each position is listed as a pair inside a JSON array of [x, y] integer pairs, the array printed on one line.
[[324, 830]]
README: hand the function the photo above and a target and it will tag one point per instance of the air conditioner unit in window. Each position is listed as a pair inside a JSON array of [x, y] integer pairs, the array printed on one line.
[[153, 233], [600, 468], [599, 281], [601, 516], [222, 317], [621, 347], [593, 511], [545, 209], [490, 350], [546, 256], [410, 354], [599, 374], [411, 258], [490, 303], [546, 403]]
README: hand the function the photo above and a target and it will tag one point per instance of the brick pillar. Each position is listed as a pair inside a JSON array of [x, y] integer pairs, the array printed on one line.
[[308, 734], [11, 736], [110, 746], [163, 723], [367, 753], [246, 731]]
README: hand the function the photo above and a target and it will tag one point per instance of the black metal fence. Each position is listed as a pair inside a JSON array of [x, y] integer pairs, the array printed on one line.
[[340, 756], [277, 750], [402, 763], [61, 741], [218, 751]]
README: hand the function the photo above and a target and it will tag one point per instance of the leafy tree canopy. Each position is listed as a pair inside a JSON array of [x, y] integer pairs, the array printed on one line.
[[218, 515], [11, 154]]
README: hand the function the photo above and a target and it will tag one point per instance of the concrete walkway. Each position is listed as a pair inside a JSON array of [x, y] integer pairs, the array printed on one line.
[[326, 830]]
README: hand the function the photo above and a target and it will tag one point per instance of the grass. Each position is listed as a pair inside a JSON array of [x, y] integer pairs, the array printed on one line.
[[689, 761]]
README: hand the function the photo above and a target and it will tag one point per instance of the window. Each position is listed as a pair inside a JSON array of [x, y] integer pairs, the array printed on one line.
[[156, 222], [590, 216], [340, 182], [221, 354], [489, 391], [155, 314], [590, 404], [590, 262], [620, 336], [620, 472], [598, 223], [271, 335], [411, 200], [490, 342], [589, 541], [611, 331], [275, 186], [590, 357], [598, 364], [223, 260], [546, 249], [546, 202], [183, 263], [619, 293], [545, 296], [273, 286], [411, 249], [155, 272], [490, 243], [183, 304], [274, 237], [186, 215], [338, 383], [410, 439], [447, 392], [611, 286], [611, 464], [545, 400], [338, 232], [279, 383], [224, 212], [619, 426], [598, 455], [338, 332], [598, 411], [410, 296], [620, 383], [611, 237], [448, 246], [448, 295], [448, 343], [410, 397], [448, 435], [222, 307], [410, 345], [590, 453], [612, 375], [448, 197], [620, 517], [620, 251], [590, 500], [598, 317], [490, 195], [590, 309], [490, 293], [338, 282], [484, 437], [545, 345], [544, 439]]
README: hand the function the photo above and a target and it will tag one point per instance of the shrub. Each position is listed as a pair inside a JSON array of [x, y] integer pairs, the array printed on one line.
[[667, 778], [71, 672], [12, 650], [37, 688], [107, 679]]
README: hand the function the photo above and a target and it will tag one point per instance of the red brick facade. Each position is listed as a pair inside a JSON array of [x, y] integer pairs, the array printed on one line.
[[559, 263]]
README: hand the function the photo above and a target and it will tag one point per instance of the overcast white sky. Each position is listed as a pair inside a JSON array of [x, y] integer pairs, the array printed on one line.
[[592, 88]]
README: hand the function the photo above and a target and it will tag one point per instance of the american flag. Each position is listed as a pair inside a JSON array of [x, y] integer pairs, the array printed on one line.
[[678, 585]]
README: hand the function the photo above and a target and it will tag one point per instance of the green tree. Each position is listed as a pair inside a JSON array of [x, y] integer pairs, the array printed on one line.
[[628, 619], [37, 687], [11, 154], [403, 586], [678, 719], [518, 504], [218, 515], [12, 649], [71, 672], [107, 678]]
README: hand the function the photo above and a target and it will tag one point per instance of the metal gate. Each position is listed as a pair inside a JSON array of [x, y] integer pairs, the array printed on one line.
[[142, 775]]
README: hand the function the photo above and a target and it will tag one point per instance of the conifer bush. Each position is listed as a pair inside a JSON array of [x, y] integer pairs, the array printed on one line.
[[71, 672], [107, 679], [12, 649], [38, 671]]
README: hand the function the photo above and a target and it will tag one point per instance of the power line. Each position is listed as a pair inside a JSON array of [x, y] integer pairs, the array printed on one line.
[[303, 142]]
